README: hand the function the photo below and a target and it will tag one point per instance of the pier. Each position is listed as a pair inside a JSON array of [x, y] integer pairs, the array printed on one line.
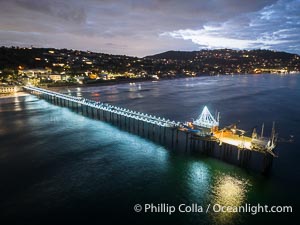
[[202, 135]]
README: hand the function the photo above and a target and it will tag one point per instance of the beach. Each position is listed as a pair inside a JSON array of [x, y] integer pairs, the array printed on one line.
[[13, 95]]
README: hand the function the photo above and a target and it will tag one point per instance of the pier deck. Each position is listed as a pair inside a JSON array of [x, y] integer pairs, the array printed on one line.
[[233, 139]]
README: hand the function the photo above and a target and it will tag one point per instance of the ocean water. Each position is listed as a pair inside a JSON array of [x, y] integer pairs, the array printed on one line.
[[58, 167]]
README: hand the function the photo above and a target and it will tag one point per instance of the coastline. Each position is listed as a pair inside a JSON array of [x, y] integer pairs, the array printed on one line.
[[109, 82], [13, 95], [113, 82], [126, 81], [116, 82]]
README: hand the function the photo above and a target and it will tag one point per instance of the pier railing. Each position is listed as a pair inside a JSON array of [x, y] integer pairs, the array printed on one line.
[[109, 108]]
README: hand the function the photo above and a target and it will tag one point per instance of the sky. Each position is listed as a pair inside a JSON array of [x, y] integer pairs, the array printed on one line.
[[146, 27]]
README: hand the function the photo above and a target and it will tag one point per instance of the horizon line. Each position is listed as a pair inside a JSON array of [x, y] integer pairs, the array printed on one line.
[[93, 51]]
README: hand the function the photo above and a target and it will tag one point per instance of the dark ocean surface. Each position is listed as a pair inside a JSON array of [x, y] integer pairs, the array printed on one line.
[[58, 167]]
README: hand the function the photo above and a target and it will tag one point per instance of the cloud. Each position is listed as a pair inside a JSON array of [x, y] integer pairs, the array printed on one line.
[[274, 27], [135, 27], [67, 10]]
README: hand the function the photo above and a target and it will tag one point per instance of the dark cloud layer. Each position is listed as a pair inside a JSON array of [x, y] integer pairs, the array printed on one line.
[[142, 27], [55, 8]]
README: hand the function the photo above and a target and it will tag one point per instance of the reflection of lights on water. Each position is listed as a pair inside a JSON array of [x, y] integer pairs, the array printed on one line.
[[139, 95], [132, 89], [78, 92], [95, 94], [199, 180], [228, 191], [199, 172], [17, 104], [69, 92], [134, 92]]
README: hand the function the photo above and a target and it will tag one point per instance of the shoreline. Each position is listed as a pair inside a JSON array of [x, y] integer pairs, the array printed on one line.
[[114, 82], [110, 83], [14, 95], [117, 82]]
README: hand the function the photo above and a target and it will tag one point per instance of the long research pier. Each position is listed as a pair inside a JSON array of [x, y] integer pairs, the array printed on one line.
[[203, 135]]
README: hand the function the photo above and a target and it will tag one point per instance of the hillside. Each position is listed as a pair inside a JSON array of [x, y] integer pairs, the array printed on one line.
[[224, 53], [166, 64]]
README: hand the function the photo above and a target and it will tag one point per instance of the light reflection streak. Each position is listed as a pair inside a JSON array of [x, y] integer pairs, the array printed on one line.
[[199, 179], [228, 191], [17, 105]]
